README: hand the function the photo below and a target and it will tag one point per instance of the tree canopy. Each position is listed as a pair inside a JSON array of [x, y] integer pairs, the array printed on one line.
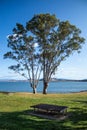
[[23, 51], [56, 40]]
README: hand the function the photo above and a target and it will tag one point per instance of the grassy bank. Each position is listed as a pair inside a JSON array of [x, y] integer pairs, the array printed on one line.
[[14, 107]]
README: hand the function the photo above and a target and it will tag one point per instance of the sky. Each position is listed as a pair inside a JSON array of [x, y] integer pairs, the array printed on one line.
[[21, 11]]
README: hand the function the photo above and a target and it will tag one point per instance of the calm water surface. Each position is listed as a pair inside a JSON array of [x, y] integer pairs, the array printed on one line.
[[54, 87]]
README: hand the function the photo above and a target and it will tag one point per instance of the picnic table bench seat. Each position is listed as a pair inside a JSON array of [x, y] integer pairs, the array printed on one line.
[[49, 108]]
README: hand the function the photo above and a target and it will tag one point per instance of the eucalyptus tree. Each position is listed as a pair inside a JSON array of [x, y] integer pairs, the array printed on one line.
[[23, 50], [56, 39]]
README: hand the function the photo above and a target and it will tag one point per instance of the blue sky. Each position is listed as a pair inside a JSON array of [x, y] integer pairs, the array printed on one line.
[[20, 11]]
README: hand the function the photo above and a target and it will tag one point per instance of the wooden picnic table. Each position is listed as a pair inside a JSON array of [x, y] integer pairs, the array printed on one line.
[[49, 108]]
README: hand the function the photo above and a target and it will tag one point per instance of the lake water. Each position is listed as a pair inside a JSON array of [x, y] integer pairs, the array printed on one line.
[[54, 87]]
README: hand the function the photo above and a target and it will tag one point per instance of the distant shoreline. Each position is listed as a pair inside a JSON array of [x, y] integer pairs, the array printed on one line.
[[52, 80]]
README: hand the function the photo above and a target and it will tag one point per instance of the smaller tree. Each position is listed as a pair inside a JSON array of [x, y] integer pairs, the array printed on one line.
[[23, 51]]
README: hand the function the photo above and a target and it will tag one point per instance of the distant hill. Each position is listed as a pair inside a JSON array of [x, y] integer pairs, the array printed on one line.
[[63, 80], [52, 80], [84, 80]]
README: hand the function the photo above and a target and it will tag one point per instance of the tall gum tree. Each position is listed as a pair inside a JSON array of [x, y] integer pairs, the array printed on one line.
[[56, 39], [24, 51]]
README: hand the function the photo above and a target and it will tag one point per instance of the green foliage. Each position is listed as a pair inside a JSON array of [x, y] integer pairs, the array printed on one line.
[[41, 24]]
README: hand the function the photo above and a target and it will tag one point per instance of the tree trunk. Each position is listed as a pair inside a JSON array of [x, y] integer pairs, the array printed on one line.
[[34, 90], [45, 87]]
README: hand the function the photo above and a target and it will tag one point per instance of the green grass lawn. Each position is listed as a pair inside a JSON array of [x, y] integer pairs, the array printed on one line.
[[13, 109]]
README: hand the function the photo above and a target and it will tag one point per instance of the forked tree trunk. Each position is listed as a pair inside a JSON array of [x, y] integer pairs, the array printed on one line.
[[34, 87]]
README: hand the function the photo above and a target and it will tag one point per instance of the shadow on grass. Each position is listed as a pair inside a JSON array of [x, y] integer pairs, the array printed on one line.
[[23, 121], [81, 101], [78, 115]]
